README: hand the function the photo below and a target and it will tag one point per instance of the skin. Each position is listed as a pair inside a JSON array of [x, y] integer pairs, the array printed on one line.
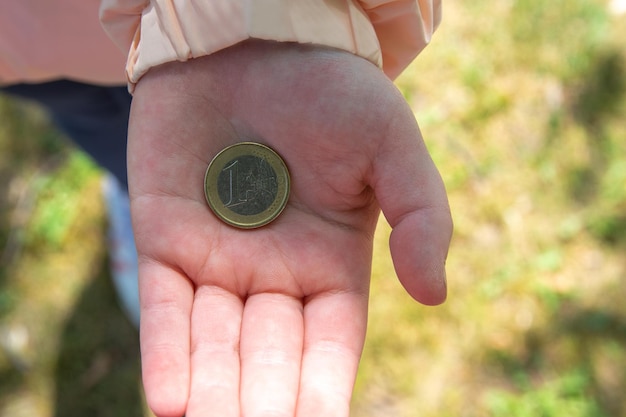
[[271, 321]]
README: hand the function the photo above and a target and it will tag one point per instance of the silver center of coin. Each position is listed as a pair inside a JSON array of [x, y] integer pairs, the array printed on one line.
[[247, 185]]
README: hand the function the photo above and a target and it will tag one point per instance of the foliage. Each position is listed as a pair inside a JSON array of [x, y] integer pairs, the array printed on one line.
[[522, 106], [564, 396]]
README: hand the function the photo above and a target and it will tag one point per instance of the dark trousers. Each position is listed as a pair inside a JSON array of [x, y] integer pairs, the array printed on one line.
[[94, 117]]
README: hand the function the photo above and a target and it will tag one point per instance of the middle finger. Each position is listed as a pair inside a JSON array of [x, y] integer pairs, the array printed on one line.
[[271, 354]]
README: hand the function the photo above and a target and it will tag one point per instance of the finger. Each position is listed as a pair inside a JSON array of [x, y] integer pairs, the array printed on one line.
[[271, 353], [166, 299], [412, 197], [335, 327], [216, 326]]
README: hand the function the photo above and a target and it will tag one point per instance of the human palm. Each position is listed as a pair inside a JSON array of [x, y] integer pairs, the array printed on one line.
[[271, 321]]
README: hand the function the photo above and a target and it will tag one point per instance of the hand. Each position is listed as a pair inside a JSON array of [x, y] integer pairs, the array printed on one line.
[[271, 321]]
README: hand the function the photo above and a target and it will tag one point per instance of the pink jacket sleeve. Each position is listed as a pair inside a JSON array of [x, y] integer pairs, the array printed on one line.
[[389, 33]]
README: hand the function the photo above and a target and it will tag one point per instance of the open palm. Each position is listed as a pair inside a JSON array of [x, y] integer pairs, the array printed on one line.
[[271, 321]]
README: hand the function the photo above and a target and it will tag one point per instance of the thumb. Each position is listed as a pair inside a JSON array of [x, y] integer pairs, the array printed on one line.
[[413, 199]]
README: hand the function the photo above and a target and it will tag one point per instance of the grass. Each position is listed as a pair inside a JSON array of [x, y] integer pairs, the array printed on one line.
[[522, 105], [66, 349]]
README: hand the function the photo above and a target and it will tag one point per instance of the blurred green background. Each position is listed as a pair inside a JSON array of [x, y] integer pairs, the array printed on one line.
[[523, 107]]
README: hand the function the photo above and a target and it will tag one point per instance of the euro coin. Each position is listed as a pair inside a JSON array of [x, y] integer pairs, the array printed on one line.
[[247, 185]]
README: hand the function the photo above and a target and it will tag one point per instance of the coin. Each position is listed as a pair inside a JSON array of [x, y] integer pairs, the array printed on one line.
[[247, 185]]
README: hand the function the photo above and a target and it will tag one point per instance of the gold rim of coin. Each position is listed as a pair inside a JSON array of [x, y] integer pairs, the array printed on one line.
[[247, 185]]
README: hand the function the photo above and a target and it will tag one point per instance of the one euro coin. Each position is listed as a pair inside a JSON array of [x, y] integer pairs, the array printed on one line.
[[247, 185]]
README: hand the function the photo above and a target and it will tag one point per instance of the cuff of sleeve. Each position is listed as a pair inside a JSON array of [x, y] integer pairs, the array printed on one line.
[[210, 26], [403, 28]]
